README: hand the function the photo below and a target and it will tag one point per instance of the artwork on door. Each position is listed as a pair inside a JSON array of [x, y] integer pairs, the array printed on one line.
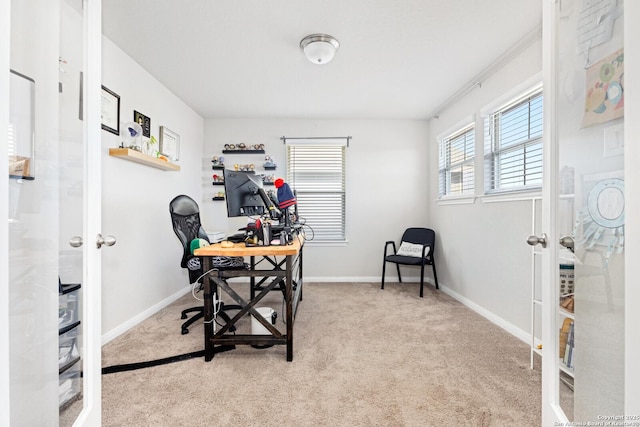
[[595, 23], [604, 100], [600, 222]]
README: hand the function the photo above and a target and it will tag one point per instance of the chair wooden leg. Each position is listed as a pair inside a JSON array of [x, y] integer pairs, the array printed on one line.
[[421, 280], [399, 277], [384, 264]]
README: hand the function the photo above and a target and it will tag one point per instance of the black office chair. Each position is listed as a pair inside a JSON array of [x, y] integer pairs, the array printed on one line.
[[417, 248], [185, 217]]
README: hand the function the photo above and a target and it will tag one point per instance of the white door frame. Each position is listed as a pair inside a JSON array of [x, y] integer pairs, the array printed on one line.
[[550, 412], [632, 205], [5, 31], [91, 413], [92, 288]]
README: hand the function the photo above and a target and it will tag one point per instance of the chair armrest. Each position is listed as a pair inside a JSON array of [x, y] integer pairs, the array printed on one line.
[[424, 248], [386, 245]]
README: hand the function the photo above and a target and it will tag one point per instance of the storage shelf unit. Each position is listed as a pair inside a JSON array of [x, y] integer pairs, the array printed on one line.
[[69, 363], [221, 166]]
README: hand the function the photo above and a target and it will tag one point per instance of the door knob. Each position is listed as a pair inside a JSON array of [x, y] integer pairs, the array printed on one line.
[[567, 242], [75, 241], [108, 240], [534, 240]]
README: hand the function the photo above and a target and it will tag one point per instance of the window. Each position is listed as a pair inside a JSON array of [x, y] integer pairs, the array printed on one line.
[[456, 162], [513, 144], [316, 171]]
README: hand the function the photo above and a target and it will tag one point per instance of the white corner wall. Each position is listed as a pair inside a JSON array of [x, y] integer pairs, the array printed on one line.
[[141, 272], [387, 185], [484, 259]]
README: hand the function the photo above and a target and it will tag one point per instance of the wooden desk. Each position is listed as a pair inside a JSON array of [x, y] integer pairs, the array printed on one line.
[[293, 254]]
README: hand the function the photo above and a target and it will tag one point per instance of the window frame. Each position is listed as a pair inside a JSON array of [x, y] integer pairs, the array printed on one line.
[[445, 165], [525, 93]]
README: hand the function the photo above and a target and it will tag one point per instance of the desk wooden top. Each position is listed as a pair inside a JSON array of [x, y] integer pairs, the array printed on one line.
[[240, 249]]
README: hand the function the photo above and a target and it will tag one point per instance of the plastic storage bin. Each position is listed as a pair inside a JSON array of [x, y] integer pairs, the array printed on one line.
[[70, 384]]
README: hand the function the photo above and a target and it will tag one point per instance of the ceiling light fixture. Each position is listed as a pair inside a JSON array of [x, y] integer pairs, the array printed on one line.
[[319, 48]]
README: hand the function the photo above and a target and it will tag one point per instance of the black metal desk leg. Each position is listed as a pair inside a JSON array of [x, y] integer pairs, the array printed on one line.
[[252, 279], [208, 312], [289, 303]]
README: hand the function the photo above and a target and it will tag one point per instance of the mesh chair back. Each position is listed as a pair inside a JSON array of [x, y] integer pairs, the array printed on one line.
[[185, 217]]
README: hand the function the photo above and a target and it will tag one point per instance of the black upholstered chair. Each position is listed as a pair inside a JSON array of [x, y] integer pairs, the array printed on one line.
[[185, 217], [417, 248]]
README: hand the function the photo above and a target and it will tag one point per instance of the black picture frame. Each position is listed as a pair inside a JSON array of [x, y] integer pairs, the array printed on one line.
[[110, 111], [144, 122]]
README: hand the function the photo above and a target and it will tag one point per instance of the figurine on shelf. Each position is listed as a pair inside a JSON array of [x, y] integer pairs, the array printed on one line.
[[268, 162], [215, 160], [217, 178], [242, 146]]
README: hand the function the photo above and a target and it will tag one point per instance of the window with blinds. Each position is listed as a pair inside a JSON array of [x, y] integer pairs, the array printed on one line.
[[457, 162], [513, 144], [316, 172]]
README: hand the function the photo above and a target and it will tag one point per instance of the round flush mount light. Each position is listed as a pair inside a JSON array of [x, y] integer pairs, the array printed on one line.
[[319, 48]]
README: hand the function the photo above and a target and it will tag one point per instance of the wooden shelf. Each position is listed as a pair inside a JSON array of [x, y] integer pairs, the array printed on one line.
[[138, 157]]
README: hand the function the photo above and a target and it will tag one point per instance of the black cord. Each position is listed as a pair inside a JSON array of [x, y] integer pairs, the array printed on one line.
[[140, 365]]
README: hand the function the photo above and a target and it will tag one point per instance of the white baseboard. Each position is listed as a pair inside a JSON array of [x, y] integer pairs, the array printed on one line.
[[121, 329], [499, 321]]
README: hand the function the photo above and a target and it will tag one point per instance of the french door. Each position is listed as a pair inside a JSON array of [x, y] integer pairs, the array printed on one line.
[[584, 212], [53, 196]]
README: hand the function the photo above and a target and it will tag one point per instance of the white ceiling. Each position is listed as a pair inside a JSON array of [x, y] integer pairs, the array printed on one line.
[[398, 59]]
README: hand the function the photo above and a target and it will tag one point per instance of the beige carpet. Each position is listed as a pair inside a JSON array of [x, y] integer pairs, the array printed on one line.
[[362, 357]]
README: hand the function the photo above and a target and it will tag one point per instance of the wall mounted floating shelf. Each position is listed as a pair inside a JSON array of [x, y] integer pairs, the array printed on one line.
[[138, 157]]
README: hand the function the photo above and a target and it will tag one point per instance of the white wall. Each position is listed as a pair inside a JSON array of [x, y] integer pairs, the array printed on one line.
[[387, 185], [484, 258], [143, 269]]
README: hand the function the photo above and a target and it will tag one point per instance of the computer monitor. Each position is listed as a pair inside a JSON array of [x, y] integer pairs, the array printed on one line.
[[242, 192]]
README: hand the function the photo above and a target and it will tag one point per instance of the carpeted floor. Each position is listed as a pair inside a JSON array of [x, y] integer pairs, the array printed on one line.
[[362, 357]]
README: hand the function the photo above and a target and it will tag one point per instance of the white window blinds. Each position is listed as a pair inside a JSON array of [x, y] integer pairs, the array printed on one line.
[[316, 172], [513, 144], [456, 162]]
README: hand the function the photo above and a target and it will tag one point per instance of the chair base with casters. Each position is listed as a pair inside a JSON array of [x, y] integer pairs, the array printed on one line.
[[420, 245], [200, 314]]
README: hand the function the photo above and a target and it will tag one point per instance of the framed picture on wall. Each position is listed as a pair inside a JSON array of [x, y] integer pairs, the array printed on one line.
[[144, 122], [110, 111], [169, 143]]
